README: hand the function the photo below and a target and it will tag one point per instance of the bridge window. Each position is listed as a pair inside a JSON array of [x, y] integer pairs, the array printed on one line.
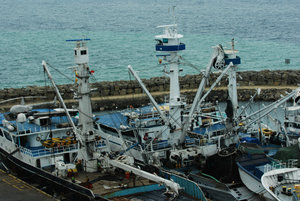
[[165, 40], [1, 132], [83, 52], [45, 121], [75, 52]]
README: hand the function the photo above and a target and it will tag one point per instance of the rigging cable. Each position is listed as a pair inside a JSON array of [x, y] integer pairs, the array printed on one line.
[[60, 72], [187, 63]]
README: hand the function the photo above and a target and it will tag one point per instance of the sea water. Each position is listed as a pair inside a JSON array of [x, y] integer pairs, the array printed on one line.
[[122, 33]]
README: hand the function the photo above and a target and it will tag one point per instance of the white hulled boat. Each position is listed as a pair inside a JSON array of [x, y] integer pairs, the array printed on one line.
[[61, 150], [282, 182], [172, 134]]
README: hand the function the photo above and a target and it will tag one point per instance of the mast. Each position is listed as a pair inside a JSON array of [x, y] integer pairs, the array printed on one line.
[[85, 125], [230, 56], [169, 45]]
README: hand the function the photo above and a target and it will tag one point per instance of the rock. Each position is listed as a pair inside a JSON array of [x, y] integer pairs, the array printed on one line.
[[161, 84]]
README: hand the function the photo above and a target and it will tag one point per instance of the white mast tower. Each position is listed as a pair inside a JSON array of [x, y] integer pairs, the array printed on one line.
[[169, 45], [85, 125], [230, 56]]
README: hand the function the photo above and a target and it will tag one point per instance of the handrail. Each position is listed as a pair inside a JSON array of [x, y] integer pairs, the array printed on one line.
[[290, 164], [48, 151], [40, 132]]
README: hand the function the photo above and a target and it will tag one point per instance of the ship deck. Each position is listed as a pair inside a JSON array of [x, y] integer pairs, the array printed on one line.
[[116, 119], [283, 196], [156, 195], [210, 128], [116, 186], [105, 184], [58, 121]]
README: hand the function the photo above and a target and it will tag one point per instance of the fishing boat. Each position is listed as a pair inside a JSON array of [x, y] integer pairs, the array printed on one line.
[[282, 181], [292, 120], [138, 150], [174, 134], [259, 150], [251, 169], [61, 150], [257, 161]]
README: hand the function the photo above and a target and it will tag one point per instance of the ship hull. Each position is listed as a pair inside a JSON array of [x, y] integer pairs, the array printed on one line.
[[53, 184], [290, 179], [252, 182]]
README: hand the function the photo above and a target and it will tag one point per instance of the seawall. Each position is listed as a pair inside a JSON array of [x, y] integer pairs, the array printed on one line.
[[121, 94]]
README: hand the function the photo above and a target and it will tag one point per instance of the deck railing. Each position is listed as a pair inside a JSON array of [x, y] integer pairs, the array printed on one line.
[[291, 163], [36, 131], [160, 145], [43, 151], [189, 142]]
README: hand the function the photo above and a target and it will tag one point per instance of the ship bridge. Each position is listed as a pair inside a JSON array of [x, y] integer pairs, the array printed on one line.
[[169, 40]]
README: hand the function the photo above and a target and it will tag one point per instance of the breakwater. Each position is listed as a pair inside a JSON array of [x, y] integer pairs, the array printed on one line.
[[121, 94]]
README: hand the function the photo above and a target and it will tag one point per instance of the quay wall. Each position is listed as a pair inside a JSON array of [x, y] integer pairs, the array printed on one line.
[[122, 94]]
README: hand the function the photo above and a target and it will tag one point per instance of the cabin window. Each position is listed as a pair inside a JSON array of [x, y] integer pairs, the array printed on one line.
[[67, 157], [38, 163], [83, 52], [165, 40], [1, 132], [75, 52], [44, 121], [7, 135]]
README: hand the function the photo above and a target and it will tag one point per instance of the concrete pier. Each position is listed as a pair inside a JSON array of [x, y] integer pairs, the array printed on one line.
[[14, 189]]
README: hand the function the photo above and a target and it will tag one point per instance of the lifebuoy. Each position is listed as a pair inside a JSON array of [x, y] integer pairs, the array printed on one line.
[[38, 138], [267, 132], [68, 132]]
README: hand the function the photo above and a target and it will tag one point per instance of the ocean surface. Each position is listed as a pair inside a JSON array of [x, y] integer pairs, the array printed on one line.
[[122, 33]]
